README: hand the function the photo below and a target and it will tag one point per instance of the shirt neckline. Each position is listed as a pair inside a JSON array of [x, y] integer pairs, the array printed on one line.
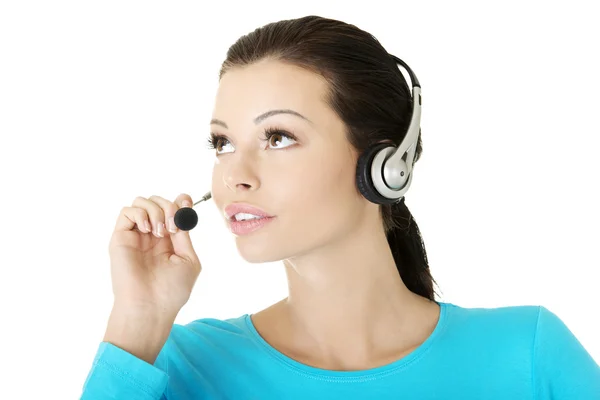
[[362, 375]]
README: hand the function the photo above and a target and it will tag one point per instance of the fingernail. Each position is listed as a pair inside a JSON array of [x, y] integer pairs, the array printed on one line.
[[186, 203], [148, 227], [161, 229], [172, 227]]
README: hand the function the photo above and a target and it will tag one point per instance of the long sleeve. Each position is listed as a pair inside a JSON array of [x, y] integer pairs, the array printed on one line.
[[562, 369], [118, 374]]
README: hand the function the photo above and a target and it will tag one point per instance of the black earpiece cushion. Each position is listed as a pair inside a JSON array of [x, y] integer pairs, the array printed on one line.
[[363, 175]]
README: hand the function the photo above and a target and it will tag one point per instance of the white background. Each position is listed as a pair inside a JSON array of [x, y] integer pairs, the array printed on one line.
[[103, 101]]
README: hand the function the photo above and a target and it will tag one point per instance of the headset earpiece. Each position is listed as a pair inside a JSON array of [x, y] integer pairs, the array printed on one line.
[[364, 179]]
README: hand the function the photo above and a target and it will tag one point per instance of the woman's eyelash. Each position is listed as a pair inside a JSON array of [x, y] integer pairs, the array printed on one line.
[[213, 138]]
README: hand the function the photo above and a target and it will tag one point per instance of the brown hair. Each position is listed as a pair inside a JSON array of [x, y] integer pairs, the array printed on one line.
[[368, 93]]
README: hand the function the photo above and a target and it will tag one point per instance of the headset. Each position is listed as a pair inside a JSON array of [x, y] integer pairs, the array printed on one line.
[[383, 171]]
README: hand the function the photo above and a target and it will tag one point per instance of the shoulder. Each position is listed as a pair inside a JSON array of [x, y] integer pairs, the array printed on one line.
[[536, 321], [507, 319], [507, 331], [497, 335], [522, 329], [529, 339], [203, 352], [210, 329], [211, 337]]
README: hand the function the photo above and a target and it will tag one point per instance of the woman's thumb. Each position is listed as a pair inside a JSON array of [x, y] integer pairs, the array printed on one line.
[[182, 245]]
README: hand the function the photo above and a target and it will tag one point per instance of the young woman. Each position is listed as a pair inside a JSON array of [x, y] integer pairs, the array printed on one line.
[[304, 108]]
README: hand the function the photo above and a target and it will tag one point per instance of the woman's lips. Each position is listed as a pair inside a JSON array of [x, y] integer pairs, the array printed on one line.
[[248, 226]]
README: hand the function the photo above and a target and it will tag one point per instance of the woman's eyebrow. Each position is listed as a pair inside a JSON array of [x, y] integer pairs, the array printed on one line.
[[264, 116]]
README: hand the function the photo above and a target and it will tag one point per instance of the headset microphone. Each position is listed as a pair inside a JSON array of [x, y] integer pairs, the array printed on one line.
[[186, 218]]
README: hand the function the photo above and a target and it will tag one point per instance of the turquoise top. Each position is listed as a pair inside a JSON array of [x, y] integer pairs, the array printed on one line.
[[516, 352]]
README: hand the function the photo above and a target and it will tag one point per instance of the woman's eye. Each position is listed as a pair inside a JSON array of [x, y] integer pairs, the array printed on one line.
[[276, 137], [216, 142], [221, 144]]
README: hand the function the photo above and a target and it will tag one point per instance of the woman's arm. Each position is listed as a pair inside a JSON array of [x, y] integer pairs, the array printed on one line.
[[128, 364]]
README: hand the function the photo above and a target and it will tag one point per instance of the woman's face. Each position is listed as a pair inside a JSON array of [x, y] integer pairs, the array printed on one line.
[[307, 181]]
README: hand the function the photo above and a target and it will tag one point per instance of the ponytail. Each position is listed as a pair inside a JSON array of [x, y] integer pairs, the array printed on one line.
[[408, 249]]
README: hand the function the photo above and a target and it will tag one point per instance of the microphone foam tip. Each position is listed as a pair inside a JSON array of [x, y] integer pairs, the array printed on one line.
[[186, 218]]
